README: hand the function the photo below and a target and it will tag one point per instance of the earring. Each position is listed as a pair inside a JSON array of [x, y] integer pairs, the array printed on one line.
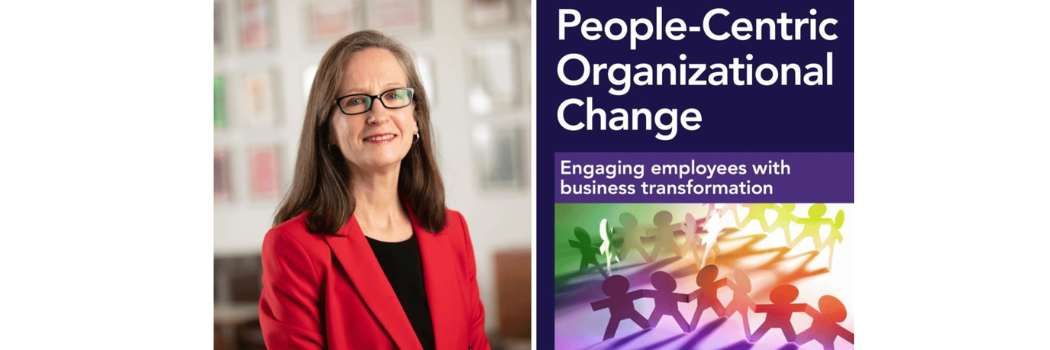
[[416, 137]]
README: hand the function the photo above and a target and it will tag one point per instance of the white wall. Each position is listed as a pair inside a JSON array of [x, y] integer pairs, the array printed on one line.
[[497, 219]]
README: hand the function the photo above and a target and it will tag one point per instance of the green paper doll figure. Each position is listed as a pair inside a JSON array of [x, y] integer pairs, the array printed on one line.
[[811, 225], [834, 236], [587, 251], [632, 237], [664, 234], [756, 211], [784, 220]]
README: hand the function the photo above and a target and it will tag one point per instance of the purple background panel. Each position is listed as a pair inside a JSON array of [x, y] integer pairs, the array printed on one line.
[[816, 177]]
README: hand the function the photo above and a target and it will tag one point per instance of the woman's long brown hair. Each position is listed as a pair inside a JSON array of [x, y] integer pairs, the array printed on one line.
[[321, 184]]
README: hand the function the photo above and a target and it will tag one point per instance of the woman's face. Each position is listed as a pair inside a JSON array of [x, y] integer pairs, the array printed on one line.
[[380, 138]]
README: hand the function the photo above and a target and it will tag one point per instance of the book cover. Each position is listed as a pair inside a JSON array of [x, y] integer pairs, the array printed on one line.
[[695, 175]]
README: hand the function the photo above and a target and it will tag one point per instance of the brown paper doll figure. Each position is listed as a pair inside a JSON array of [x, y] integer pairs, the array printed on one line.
[[784, 220], [811, 226], [755, 211], [587, 251], [692, 240], [632, 237], [664, 235], [778, 314], [707, 295], [825, 327], [620, 304], [666, 299], [742, 302]]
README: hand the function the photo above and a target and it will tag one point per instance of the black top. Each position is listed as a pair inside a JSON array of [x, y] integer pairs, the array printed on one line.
[[404, 269]]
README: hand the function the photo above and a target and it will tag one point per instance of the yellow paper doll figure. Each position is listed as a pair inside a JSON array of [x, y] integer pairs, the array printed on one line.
[[713, 226], [664, 234], [811, 225], [632, 237], [755, 211], [784, 220], [834, 236], [692, 241]]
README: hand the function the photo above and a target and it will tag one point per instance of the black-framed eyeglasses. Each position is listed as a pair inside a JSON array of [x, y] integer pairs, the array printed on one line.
[[361, 103]]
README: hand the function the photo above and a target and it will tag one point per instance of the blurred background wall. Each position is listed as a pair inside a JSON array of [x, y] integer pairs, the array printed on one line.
[[474, 57]]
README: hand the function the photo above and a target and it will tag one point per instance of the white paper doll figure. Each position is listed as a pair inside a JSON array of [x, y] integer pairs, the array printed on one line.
[[713, 226]]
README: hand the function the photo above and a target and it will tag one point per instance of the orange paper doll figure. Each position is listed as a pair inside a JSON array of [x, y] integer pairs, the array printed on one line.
[[784, 220], [666, 299], [620, 304], [825, 327], [834, 236], [741, 285], [692, 241], [778, 314], [587, 251], [664, 235], [811, 225], [707, 295], [755, 211], [632, 237]]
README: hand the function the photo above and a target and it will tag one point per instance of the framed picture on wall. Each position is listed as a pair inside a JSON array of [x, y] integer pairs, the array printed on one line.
[[494, 83], [222, 175], [260, 98], [253, 18], [329, 20], [220, 102], [398, 16], [483, 13], [263, 163], [499, 156]]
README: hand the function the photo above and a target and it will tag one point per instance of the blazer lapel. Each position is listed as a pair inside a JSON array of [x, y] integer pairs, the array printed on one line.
[[440, 280], [355, 255]]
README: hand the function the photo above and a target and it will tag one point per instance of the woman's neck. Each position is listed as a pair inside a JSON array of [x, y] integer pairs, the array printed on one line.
[[377, 207]]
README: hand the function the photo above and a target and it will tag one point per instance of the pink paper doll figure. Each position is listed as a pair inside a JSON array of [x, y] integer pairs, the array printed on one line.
[[632, 237], [741, 285], [707, 295], [825, 327], [811, 226], [587, 251], [620, 304], [692, 241], [778, 314], [755, 211], [664, 235], [834, 236], [784, 220], [666, 299]]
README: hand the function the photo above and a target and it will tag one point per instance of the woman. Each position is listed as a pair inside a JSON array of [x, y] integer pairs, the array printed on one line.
[[364, 254]]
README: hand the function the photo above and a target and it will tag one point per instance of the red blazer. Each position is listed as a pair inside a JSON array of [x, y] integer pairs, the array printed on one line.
[[329, 292]]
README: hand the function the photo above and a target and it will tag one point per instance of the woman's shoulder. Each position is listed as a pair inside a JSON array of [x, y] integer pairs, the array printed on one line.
[[454, 220], [294, 232]]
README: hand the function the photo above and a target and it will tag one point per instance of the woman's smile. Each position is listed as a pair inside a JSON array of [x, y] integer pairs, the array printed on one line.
[[379, 139]]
